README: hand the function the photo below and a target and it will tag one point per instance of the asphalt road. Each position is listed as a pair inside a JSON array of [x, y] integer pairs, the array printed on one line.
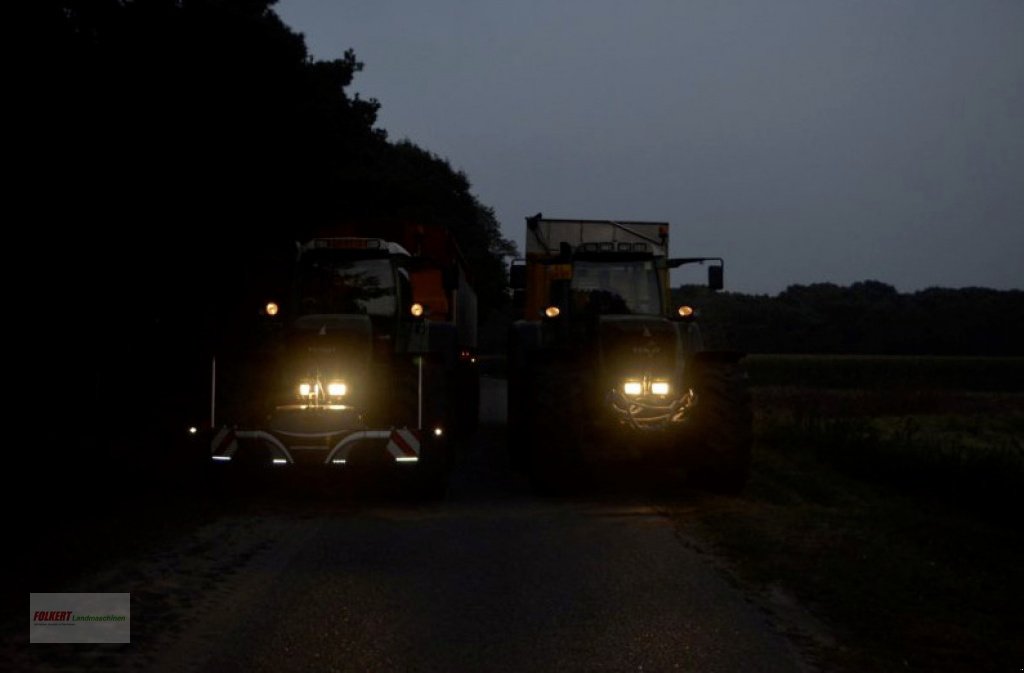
[[493, 579]]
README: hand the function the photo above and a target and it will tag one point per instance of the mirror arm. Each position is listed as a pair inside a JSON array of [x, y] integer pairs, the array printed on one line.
[[679, 261]]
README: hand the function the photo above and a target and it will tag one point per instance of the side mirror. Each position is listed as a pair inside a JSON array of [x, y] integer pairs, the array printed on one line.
[[517, 276], [716, 277], [716, 274]]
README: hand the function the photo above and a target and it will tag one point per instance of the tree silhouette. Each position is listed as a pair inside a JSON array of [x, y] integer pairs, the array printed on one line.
[[867, 317], [174, 151]]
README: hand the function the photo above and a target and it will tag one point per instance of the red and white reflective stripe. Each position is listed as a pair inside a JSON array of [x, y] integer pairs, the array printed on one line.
[[404, 443], [224, 443]]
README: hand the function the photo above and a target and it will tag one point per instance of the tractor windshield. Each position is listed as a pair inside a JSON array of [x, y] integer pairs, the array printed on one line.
[[609, 287], [333, 282]]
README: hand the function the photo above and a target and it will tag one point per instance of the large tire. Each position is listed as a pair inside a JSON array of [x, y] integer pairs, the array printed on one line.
[[519, 384], [543, 413], [724, 426], [430, 478], [551, 423], [467, 401], [517, 433]]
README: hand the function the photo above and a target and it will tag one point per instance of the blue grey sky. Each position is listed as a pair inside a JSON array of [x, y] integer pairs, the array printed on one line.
[[803, 140]]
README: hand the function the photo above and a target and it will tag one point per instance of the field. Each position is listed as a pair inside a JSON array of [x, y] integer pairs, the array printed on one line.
[[885, 498], [949, 427]]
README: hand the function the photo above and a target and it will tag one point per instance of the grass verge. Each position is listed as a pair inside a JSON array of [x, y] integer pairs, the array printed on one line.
[[892, 517]]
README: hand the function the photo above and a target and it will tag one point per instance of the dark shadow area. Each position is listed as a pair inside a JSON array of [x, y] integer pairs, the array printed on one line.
[[170, 156]]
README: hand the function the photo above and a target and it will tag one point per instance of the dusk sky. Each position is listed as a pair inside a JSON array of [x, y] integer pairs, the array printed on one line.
[[803, 140]]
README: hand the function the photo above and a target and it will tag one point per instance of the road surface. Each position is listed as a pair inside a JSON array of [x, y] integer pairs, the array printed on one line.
[[493, 579]]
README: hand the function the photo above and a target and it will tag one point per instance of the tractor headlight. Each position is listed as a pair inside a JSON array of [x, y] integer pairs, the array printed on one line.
[[659, 388], [633, 388], [305, 389], [336, 389]]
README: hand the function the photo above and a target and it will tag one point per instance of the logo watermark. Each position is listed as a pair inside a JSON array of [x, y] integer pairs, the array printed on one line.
[[79, 618]]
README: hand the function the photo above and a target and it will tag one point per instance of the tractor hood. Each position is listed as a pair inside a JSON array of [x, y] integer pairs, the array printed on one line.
[[330, 347], [633, 346]]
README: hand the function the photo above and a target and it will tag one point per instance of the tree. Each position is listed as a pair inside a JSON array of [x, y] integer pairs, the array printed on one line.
[[177, 150], [867, 317]]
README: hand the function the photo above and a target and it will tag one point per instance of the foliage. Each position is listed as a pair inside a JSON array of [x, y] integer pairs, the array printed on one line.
[[205, 129], [882, 372], [173, 152], [867, 317], [946, 425], [884, 496]]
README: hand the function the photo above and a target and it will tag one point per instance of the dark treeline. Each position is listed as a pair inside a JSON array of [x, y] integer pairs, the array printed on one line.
[[865, 318], [170, 153], [186, 142]]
